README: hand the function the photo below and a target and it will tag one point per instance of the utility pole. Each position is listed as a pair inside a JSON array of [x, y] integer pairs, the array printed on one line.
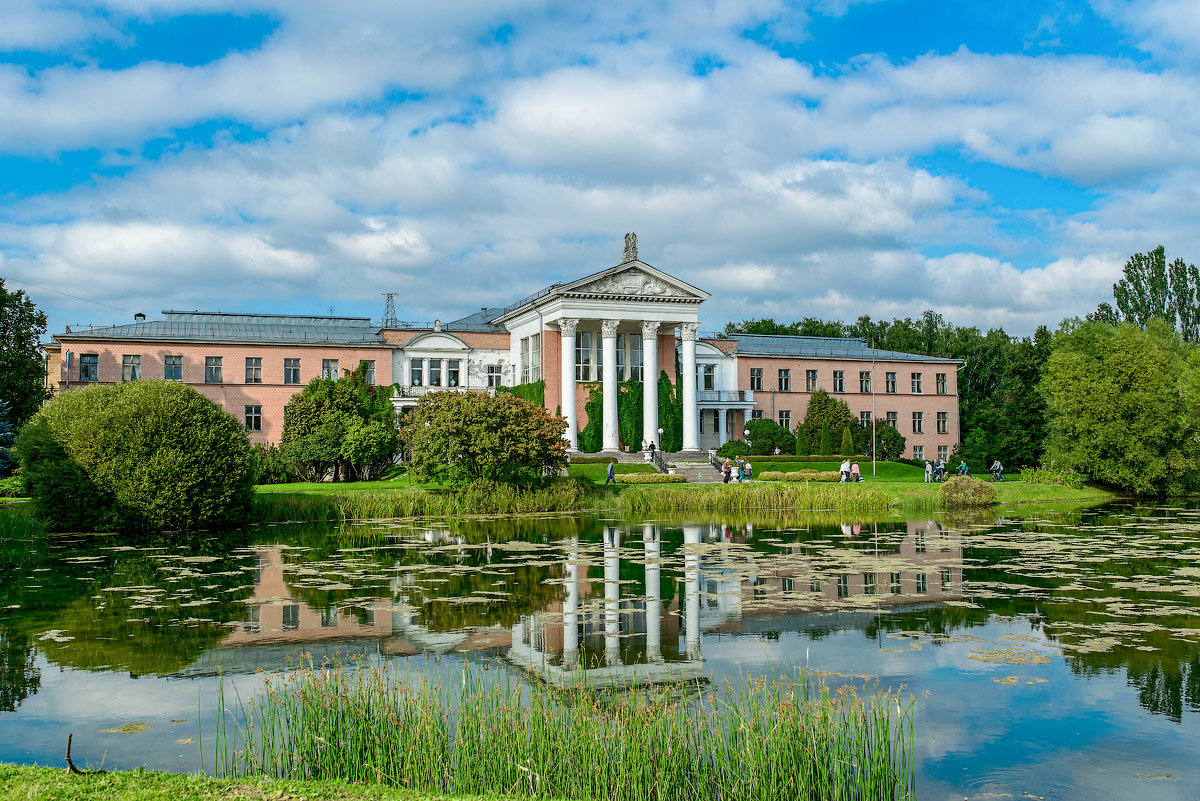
[[389, 311]]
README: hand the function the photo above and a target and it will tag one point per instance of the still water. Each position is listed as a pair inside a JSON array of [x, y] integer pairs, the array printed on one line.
[[1054, 657]]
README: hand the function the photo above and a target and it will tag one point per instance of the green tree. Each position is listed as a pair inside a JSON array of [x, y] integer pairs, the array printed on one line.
[[889, 443], [825, 444], [6, 440], [1124, 406], [1144, 293], [459, 437], [847, 442], [767, 435], [1023, 425], [825, 413], [22, 369], [802, 448]]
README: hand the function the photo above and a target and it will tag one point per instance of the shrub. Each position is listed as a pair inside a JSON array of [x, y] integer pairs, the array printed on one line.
[[766, 435], [12, 487], [271, 466], [824, 476], [847, 442], [1063, 477], [733, 448], [825, 446], [137, 456], [960, 492], [649, 478], [575, 459]]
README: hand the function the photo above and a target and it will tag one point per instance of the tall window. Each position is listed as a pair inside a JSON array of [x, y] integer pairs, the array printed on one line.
[[369, 372], [416, 372], [435, 372], [329, 369], [785, 380], [291, 371], [918, 452], [524, 360], [868, 583], [943, 452], [893, 419], [493, 375], [635, 357], [254, 370], [918, 422], [254, 418], [922, 583], [889, 383], [896, 585], [839, 380], [941, 383], [535, 357], [916, 383], [864, 419], [943, 421], [131, 367], [89, 367], [785, 419], [843, 585], [452, 373], [756, 379], [810, 380], [864, 382], [710, 377], [583, 356], [621, 357], [212, 369], [173, 368], [756, 414]]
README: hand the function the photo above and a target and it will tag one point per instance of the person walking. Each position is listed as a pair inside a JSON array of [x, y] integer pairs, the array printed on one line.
[[611, 476], [741, 467], [855, 473], [749, 470], [928, 472], [725, 470], [651, 449], [845, 471]]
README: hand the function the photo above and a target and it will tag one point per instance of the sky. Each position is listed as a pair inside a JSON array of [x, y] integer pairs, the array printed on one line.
[[995, 162]]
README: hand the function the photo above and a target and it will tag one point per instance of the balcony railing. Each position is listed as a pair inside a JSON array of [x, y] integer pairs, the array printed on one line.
[[725, 396], [417, 392]]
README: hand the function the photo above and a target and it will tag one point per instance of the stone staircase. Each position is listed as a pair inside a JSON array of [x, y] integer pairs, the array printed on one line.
[[694, 467]]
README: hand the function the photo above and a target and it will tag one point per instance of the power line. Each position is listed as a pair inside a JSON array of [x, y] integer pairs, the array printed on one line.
[[68, 295]]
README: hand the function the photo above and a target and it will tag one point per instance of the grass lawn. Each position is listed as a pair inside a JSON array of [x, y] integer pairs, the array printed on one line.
[[594, 471], [884, 470], [55, 784]]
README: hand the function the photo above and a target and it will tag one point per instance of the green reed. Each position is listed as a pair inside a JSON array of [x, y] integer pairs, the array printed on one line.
[[767, 497], [786, 737], [17, 523]]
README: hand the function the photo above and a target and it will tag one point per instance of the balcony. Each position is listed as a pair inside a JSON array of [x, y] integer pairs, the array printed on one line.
[[409, 396], [738, 396]]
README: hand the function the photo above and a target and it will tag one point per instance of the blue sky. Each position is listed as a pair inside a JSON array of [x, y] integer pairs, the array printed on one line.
[[997, 162]]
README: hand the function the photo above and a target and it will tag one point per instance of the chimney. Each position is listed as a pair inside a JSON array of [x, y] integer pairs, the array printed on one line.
[[139, 318]]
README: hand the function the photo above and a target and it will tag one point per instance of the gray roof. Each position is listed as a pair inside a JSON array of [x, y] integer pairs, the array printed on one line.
[[217, 327], [480, 321], [820, 347]]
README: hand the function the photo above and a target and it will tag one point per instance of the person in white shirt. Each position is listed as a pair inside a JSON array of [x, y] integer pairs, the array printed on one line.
[[846, 470]]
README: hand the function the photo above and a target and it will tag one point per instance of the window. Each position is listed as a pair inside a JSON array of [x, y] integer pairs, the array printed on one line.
[[943, 452], [864, 419], [89, 367], [329, 369], [254, 370], [868, 583], [944, 574], [416, 373], [131, 368], [889, 383], [893, 420], [524, 360], [897, 587], [922, 583], [918, 422], [843, 585], [329, 617], [943, 422], [810, 380], [621, 357], [583, 356], [941, 383], [173, 368], [435, 372], [710, 377], [756, 414], [291, 371], [918, 452], [814, 585], [369, 372], [787, 584], [212, 369], [864, 382], [291, 617], [254, 418], [452, 373], [785, 380], [635, 358], [756, 379], [919, 542], [535, 358], [839, 380], [493, 375], [785, 419], [916, 383]]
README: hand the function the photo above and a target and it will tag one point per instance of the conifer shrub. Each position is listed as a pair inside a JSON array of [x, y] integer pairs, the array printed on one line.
[[136, 456], [847, 442], [963, 492]]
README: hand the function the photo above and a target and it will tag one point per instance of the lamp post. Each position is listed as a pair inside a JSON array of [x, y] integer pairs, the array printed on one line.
[[746, 434]]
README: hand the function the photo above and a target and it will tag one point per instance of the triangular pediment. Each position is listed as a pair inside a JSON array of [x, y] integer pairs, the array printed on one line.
[[634, 280]]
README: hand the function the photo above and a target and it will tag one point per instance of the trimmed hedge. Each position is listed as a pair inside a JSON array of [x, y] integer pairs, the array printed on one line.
[[136, 456], [961, 492], [572, 459], [784, 457], [649, 478], [825, 476]]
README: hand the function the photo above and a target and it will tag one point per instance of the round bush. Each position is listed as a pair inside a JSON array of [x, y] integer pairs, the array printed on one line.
[[137, 456], [961, 492]]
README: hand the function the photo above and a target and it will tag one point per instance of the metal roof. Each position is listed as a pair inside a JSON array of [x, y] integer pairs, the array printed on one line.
[[820, 347], [267, 328]]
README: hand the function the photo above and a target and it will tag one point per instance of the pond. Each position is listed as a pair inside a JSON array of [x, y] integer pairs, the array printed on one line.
[[1050, 657]]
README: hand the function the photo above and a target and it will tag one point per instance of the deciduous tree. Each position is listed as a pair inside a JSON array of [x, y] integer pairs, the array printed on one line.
[[22, 369]]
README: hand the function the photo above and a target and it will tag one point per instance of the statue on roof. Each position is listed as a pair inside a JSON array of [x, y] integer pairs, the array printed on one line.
[[630, 248]]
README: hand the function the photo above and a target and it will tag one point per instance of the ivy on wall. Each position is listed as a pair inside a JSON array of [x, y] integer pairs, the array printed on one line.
[[534, 392]]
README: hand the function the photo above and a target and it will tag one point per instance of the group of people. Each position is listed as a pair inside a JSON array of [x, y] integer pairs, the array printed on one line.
[[936, 471], [739, 468], [850, 472]]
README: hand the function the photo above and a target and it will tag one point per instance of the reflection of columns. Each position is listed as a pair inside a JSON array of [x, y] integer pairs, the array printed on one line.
[[571, 607], [612, 596], [650, 383], [721, 426], [566, 327], [691, 590], [608, 338], [691, 417], [653, 594]]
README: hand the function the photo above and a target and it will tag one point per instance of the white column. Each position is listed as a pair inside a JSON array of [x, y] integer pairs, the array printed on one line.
[[721, 427], [653, 593], [650, 383], [608, 335], [691, 414], [445, 375], [566, 327], [425, 372], [612, 596], [691, 590]]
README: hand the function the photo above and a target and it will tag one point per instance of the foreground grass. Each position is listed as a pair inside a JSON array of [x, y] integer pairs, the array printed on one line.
[[19, 783], [786, 737]]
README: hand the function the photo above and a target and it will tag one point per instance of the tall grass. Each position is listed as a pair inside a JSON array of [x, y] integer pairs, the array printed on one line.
[[784, 738], [483, 498], [17, 522], [766, 497]]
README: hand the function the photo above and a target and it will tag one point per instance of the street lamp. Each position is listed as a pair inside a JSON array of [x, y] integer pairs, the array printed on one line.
[[746, 434]]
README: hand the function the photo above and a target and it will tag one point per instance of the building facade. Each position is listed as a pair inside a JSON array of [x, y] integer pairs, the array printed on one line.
[[627, 322]]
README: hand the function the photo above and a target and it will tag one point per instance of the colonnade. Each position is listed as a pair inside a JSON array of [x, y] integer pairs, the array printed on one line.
[[608, 380]]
